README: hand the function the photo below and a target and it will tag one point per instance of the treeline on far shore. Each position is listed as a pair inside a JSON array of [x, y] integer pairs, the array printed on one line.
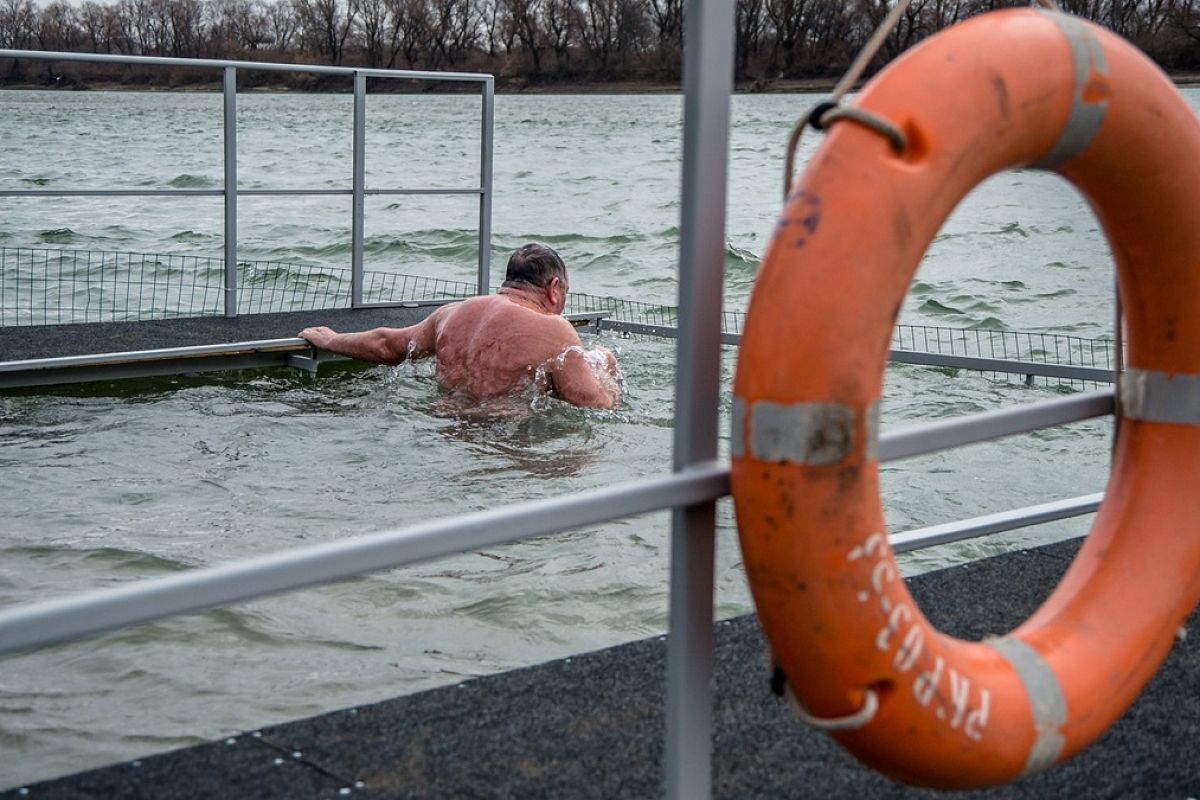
[[525, 43]]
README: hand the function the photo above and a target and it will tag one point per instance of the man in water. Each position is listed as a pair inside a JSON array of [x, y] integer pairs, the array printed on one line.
[[494, 345]]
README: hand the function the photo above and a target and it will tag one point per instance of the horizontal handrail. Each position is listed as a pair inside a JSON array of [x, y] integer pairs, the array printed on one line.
[[930, 437], [665, 331], [915, 357], [209, 63], [289, 344], [471, 190], [978, 364], [291, 352], [999, 522], [58, 619], [47, 622]]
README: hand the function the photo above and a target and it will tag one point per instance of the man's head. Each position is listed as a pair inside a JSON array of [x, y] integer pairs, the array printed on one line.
[[537, 267]]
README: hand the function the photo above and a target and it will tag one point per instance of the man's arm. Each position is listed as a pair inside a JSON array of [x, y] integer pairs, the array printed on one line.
[[380, 345], [587, 379]]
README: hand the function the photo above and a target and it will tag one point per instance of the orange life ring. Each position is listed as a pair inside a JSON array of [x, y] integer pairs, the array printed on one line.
[[1010, 89]]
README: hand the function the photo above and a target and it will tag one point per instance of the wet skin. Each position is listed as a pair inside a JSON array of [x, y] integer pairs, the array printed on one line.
[[492, 346]]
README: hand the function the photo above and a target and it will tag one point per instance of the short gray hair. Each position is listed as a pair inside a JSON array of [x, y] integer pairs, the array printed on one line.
[[534, 265]]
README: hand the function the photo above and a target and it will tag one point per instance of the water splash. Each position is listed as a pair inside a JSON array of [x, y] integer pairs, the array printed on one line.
[[601, 361]]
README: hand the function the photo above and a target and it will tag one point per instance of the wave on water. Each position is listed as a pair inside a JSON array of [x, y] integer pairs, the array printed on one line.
[[191, 236], [110, 559], [59, 236], [436, 244], [442, 244], [735, 256], [932, 306], [1011, 227], [1065, 265], [741, 270], [966, 316], [602, 243], [186, 181]]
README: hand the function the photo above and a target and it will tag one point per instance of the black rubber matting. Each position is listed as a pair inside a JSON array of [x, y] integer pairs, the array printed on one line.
[[591, 726]]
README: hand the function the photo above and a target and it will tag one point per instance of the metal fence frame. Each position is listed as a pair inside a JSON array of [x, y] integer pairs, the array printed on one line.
[[358, 190], [698, 479]]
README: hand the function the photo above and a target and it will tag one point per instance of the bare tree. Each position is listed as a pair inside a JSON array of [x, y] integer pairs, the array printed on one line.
[[184, 24], [632, 30], [17, 20], [58, 27], [491, 19], [282, 24], [789, 19], [455, 28], [559, 24], [835, 35], [96, 22], [525, 16], [325, 25], [667, 18], [240, 24], [17, 23], [748, 24], [597, 25], [410, 31], [374, 23]]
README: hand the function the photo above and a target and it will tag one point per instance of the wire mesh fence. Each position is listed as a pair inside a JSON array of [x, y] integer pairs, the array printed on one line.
[[58, 287], [623, 310], [55, 287], [1039, 348], [969, 343]]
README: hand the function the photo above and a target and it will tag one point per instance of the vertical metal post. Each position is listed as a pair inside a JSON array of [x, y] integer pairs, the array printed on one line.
[[357, 209], [483, 280], [231, 192], [708, 84]]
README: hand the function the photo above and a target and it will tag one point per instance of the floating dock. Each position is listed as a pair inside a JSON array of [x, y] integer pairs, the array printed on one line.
[[592, 726], [56, 354], [48, 355]]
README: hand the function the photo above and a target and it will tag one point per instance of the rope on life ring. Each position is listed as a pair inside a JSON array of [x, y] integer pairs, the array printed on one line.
[[1009, 89]]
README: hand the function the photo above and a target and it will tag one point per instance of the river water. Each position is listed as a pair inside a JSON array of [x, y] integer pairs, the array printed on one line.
[[108, 484]]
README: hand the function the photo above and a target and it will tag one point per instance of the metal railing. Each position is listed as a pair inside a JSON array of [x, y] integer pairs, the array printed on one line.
[[62, 287], [358, 190], [55, 287], [690, 491]]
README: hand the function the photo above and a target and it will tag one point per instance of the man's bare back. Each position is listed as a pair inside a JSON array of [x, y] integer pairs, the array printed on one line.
[[495, 345]]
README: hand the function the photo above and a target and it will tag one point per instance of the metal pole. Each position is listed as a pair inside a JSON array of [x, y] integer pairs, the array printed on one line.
[[708, 84], [483, 281], [357, 208], [231, 189]]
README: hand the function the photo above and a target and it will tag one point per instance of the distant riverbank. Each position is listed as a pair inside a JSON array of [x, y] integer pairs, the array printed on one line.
[[503, 86]]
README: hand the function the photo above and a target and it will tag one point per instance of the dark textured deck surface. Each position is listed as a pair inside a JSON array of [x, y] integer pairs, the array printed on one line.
[[592, 727], [18, 343]]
